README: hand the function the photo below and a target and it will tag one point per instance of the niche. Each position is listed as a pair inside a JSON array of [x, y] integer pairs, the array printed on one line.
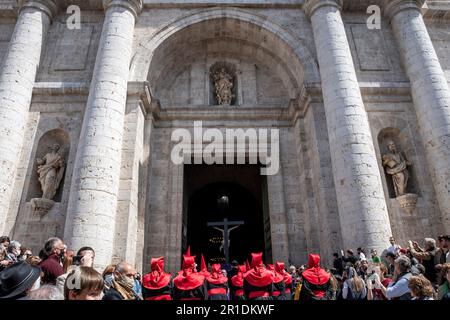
[[53, 141], [223, 84], [401, 149]]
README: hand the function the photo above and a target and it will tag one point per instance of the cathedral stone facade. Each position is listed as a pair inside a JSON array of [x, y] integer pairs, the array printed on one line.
[[359, 96]]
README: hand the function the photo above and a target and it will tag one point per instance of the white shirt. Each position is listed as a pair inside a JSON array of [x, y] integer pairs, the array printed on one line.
[[394, 249], [362, 256]]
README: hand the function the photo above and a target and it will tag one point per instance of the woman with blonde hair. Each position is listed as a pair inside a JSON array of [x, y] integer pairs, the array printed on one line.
[[108, 275], [421, 288], [354, 287]]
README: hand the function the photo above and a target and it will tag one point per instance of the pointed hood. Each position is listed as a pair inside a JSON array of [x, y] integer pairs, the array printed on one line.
[[279, 268], [217, 276], [277, 278], [187, 278], [203, 267], [315, 274], [157, 278], [258, 276], [247, 265], [238, 279], [188, 263], [257, 259]]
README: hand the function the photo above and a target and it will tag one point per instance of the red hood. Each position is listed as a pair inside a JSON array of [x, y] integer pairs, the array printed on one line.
[[203, 268], [279, 268], [257, 259], [216, 276], [203, 264], [238, 279], [188, 262], [313, 261], [187, 278], [157, 278], [259, 277], [315, 274]]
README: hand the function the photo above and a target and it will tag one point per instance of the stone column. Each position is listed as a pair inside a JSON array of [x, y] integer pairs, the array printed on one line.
[[362, 207], [92, 204], [17, 78], [430, 93]]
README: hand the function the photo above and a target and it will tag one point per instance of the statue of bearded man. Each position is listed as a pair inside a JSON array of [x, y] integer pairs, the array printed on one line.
[[396, 163]]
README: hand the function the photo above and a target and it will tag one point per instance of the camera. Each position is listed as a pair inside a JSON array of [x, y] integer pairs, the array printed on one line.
[[76, 261]]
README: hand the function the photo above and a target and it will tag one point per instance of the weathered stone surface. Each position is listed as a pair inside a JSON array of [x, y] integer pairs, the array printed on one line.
[[335, 90]]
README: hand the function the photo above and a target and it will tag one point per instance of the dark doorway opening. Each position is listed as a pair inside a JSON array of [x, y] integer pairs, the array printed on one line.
[[234, 192]]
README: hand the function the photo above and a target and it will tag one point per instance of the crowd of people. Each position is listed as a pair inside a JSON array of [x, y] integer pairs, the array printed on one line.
[[57, 273]]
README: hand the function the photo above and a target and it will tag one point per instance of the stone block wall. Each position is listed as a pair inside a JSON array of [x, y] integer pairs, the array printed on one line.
[[47, 113], [439, 31]]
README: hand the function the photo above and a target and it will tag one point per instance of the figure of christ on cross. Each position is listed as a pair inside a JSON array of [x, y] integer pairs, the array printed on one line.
[[225, 224]]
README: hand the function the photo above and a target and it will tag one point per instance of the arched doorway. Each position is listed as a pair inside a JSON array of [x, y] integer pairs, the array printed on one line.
[[218, 192]]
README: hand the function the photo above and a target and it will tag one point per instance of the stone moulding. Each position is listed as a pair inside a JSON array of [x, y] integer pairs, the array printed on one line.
[[41, 206], [408, 202]]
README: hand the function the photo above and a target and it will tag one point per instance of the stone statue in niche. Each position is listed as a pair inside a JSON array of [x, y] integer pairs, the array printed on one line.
[[50, 171], [396, 163], [396, 166], [223, 83]]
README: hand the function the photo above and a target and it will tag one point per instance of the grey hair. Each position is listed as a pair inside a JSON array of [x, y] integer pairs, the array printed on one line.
[[404, 263], [46, 292], [431, 242], [120, 266], [14, 245], [50, 245]]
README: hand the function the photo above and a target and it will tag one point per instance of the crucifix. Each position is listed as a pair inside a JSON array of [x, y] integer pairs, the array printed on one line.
[[225, 224]]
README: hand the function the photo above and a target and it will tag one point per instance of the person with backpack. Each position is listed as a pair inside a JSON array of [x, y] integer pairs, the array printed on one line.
[[354, 287]]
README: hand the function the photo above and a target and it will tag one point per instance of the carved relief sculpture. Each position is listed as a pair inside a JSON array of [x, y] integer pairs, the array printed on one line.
[[223, 83]]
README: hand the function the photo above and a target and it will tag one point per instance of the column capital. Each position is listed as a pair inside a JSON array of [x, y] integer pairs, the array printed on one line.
[[311, 6], [392, 7], [135, 6], [49, 7]]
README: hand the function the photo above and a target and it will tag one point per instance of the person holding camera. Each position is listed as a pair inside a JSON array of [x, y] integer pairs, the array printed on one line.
[[51, 265], [426, 256], [84, 258], [375, 281], [398, 289]]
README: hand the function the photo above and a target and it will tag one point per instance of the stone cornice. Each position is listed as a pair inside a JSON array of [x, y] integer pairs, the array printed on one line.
[[49, 7], [221, 3], [8, 9], [142, 91], [436, 10], [222, 113], [134, 6], [139, 90], [393, 7], [311, 6]]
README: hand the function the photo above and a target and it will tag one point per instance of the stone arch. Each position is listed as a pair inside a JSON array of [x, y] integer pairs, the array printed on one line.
[[48, 138], [302, 65], [403, 143]]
